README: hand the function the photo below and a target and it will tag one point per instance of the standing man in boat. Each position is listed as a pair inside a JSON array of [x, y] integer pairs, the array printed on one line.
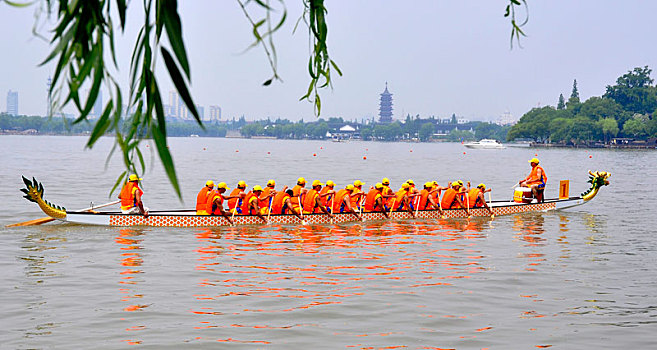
[[250, 203], [342, 202], [130, 197], [202, 198], [536, 180], [282, 203], [476, 197], [452, 198], [237, 197], [374, 200], [311, 200], [215, 202]]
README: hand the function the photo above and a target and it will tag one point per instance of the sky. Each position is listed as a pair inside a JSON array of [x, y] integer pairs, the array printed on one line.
[[438, 57]]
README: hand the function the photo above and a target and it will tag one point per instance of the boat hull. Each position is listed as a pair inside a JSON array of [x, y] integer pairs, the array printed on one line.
[[172, 219]]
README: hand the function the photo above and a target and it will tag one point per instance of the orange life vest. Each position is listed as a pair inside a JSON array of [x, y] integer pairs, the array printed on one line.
[[473, 198], [264, 203], [326, 200], [309, 201], [424, 199], [449, 199], [338, 205], [201, 199], [435, 195], [387, 191], [296, 190], [277, 203], [246, 204], [235, 202], [210, 207], [399, 199], [355, 198], [128, 195], [533, 176], [370, 200]]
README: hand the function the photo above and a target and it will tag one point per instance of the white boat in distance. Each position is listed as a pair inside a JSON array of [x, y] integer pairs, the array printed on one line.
[[484, 144]]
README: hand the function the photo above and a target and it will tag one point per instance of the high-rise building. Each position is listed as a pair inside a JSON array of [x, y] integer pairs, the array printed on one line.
[[98, 105], [385, 106], [12, 102], [49, 102], [215, 113]]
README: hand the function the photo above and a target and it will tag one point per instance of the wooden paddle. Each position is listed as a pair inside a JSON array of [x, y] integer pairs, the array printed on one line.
[[49, 219], [490, 203]]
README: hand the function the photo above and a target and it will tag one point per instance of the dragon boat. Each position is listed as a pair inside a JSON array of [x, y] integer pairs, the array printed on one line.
[[187, 218]]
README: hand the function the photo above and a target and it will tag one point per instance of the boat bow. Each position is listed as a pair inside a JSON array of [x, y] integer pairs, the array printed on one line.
[[34, 193]]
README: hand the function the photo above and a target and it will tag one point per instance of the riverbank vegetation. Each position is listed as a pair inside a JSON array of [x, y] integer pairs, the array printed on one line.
[[628, 109]]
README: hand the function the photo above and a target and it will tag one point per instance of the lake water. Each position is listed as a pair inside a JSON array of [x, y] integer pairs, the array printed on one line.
[[584, 278]]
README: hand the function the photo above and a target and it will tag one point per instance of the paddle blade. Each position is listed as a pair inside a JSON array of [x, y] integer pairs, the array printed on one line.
[[32, 222]]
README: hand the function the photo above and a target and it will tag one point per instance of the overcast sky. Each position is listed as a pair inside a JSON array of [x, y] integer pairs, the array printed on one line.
[[438, 57]]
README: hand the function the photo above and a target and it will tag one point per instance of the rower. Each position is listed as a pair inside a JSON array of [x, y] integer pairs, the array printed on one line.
[[202, 198], [342, 202], [427, 200], [402, 200], [214, 204], [250, 203], [536, 180], [326, 194], [387, 193], [452, 199], [357, 195], [476, 197], [374, 200], [268, 193], [438, 190], [311, 200], [282, 203], [235, 203], [413, 193], [130, 197], [298, 191]]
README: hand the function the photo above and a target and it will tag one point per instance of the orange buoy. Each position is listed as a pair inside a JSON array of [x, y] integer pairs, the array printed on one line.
[[364, 157], [204, 148], [314, 154], [411, 151], [590, 156], [321, 148], [463, 152], [237, 150], [268, 152]]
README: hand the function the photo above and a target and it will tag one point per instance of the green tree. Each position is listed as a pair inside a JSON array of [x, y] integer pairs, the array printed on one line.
[[609, 127], [426, 131], [635, 128], [634, 91], [562, 102], [489, 131], [573, 103], [366, 133]]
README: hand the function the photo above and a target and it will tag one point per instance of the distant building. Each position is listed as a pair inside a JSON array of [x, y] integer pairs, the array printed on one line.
[[98, 105], [215, 113], [506, 119], [12, 103], [385, 106]]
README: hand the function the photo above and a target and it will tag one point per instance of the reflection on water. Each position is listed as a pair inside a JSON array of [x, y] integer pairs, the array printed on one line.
[[130, 241], [322, 267]]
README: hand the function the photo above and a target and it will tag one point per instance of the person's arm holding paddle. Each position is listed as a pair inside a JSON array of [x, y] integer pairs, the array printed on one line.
[[318, 204], [346, 200], [378, 204], [290, 207]]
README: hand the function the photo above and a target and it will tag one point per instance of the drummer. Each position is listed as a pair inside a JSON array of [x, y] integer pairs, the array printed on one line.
[[536, 180]]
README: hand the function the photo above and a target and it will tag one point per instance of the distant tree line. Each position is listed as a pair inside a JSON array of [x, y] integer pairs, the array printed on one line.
[[627, 109], [65, 126]]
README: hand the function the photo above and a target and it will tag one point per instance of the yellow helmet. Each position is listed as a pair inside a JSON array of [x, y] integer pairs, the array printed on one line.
[[385, 181], [271, 183], [209, 183], [358, 183], [222, 185], [317, 183], [134, 177], [378, 185], [257, 188], [301, 181], [349, 187], [241, 184], [533, 160], [330, 183]]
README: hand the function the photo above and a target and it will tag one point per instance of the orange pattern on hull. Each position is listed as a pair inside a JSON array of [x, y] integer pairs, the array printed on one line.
[[205, 221]]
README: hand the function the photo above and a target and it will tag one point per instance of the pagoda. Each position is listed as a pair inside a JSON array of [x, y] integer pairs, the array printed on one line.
[[385, 106]]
